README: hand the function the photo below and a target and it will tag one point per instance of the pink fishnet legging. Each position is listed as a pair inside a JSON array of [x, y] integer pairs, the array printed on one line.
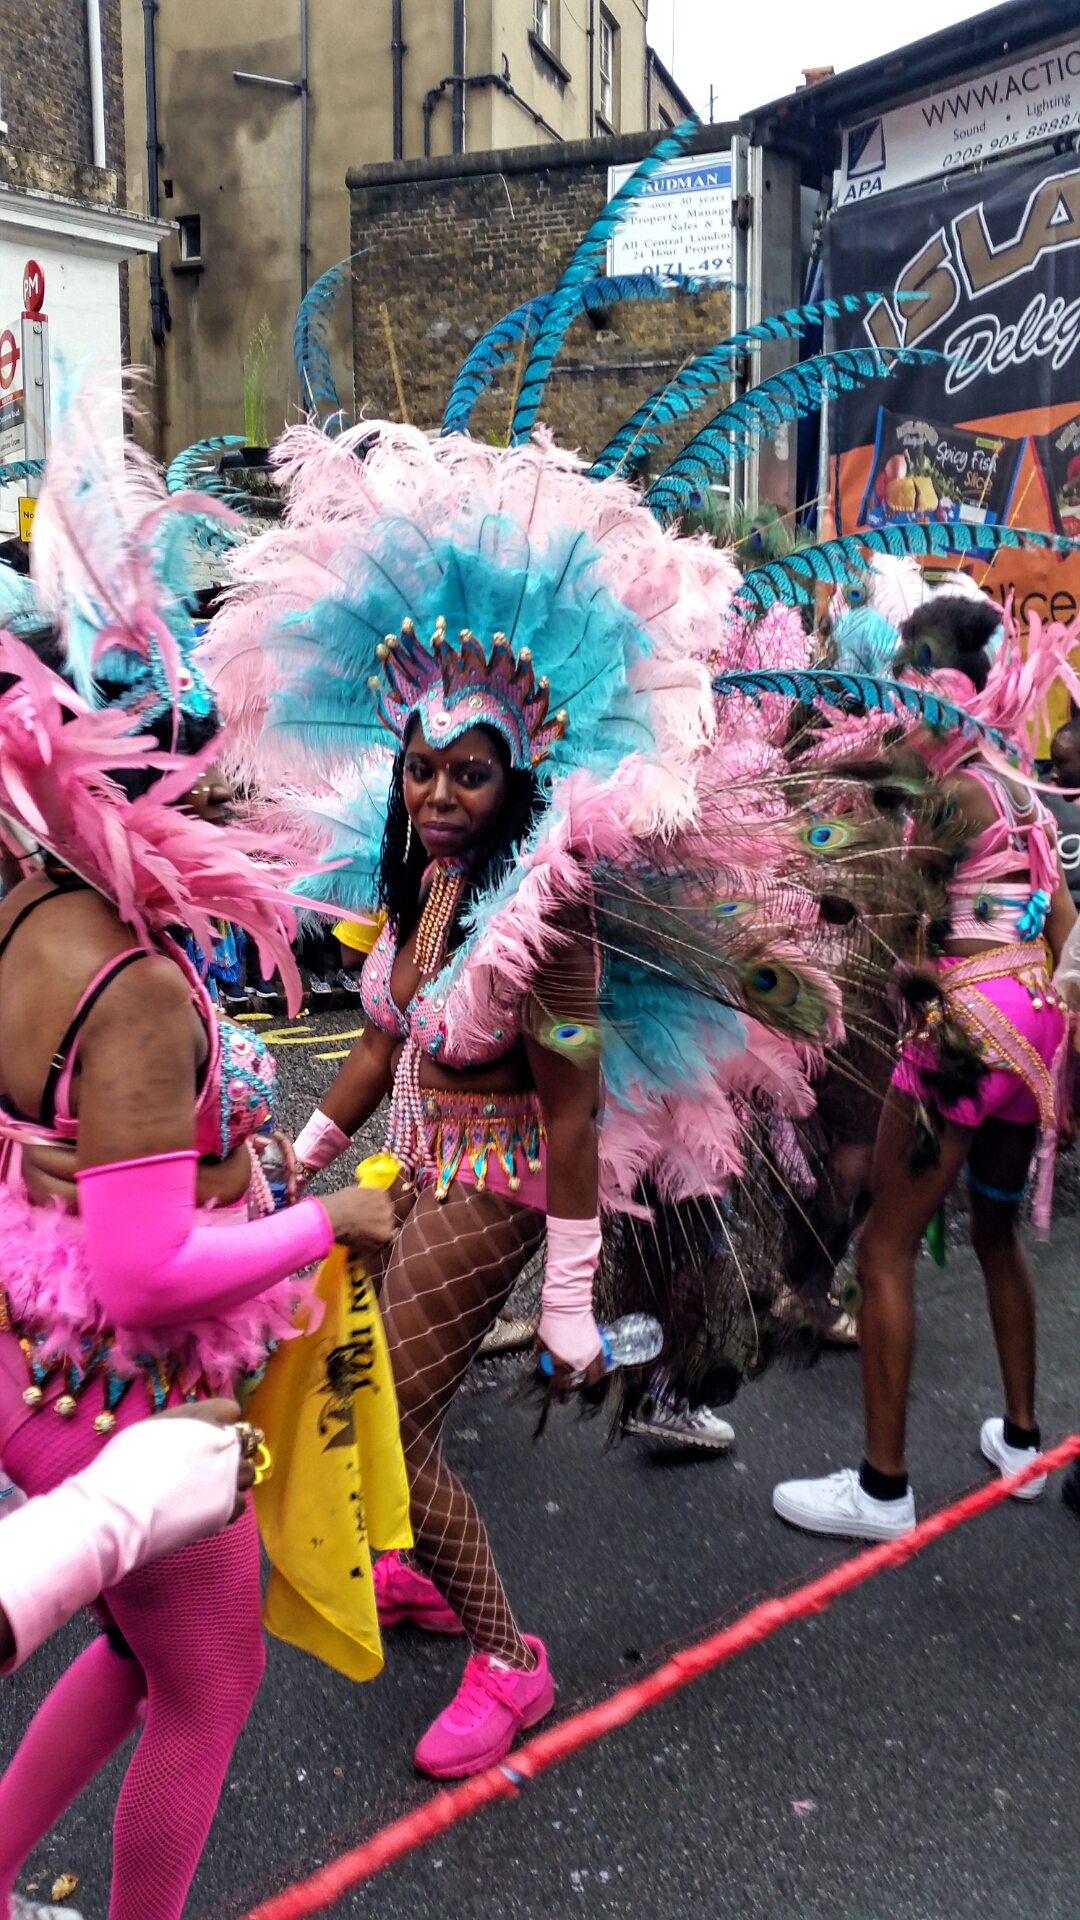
[[452, 1268], [192, 1622]]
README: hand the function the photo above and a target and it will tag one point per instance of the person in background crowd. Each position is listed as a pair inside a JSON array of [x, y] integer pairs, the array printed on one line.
[[1065, 806]]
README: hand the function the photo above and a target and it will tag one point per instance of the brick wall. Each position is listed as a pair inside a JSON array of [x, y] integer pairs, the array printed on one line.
[[451, 245], [45, 82]]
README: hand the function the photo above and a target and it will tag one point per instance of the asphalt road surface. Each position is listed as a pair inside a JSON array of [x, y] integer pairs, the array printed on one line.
[[909, 1755]]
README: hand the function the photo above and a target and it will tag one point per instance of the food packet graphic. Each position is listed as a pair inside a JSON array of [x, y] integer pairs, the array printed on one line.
[[925, 471], [1058, 455]]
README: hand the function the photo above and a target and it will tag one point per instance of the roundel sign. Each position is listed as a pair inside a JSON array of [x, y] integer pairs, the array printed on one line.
[[9, 359], [33, 287]]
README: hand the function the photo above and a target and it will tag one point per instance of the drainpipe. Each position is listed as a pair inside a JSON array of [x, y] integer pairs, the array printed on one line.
[[458, 141], [397, 54], [97, 80], [303, 147], [590, 127], [160, 318]]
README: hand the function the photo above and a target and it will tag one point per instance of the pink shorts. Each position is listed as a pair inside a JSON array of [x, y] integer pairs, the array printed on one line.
[[1002, 1095]]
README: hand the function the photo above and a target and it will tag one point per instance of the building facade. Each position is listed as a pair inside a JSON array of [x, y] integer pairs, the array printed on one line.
[[252, 168], [65, 232]]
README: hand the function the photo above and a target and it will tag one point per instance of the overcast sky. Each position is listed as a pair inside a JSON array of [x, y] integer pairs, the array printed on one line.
[[754, 52]]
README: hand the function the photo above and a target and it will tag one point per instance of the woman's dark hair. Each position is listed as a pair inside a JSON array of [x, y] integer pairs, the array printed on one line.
[[399, 878], [952, 630]]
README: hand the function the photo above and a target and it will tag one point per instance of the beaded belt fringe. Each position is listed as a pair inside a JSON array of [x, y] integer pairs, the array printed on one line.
[[434, 1132]]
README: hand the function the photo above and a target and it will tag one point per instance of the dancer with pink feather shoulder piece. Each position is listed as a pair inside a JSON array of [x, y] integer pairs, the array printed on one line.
[[135, 1268], [479, 682]]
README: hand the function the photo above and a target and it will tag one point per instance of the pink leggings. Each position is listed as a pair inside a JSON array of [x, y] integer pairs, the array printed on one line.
[[192, 1623]]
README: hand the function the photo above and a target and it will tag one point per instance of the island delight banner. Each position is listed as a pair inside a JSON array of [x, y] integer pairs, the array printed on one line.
[[993, 435]]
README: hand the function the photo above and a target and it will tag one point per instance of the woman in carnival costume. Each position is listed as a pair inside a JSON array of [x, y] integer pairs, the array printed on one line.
[[580, 989], [132, 1274], [981, 1080]]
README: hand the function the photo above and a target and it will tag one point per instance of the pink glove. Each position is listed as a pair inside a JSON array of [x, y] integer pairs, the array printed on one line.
[[153, 1489], [567, 1327], [153, 1265], [319, 1141]]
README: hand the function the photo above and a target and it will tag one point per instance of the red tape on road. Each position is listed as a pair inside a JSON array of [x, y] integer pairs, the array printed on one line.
[[331, 1882]]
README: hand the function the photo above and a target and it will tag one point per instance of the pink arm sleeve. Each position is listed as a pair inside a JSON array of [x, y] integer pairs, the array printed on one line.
[[154, 1264], [567, 1327]]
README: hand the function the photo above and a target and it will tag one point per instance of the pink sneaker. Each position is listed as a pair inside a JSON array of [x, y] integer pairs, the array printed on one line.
[[490, 1708], [404, 1593]]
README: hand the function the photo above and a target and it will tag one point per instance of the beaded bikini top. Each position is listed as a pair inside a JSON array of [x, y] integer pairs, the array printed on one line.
[[428, 1020]]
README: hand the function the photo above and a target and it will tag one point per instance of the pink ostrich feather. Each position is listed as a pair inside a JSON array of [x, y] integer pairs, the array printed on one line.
[[1014, 699], [678, 589], [157, 865], [100, 513]]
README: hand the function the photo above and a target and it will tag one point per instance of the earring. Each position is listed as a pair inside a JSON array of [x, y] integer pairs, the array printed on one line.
[[408, 845]]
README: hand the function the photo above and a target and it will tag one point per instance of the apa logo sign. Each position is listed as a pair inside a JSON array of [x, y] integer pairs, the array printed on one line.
[[33, 287]]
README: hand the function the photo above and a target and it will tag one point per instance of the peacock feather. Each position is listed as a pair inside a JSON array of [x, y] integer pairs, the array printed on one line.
[[733, 433], [860, 693], [694, 384], [587, 258], [311, 349], [503, 340], [792, 582], [20, 470]]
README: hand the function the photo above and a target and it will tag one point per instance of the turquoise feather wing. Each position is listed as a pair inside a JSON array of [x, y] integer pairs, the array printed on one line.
[[311, 349], [858, 692], [503, 340], [693, 385], [589, 255], [792, 582], [734, 432]]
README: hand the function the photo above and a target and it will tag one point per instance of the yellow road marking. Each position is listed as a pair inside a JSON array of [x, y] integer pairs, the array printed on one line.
[[286, 1039], [343, 1055]]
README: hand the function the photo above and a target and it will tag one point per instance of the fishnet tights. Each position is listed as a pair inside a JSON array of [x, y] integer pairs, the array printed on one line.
[[192, 1623], [451, 1270]]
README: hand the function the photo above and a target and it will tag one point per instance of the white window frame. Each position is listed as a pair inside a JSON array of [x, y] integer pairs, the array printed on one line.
[[606, 68], [542, 21]]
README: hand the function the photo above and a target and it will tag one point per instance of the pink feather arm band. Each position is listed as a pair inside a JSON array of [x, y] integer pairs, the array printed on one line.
[[153, 1489], [567, 1326], [153, 1264], [319, 1141]]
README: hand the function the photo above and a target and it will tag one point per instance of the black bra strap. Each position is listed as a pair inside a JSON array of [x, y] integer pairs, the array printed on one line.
[[60, 1057], [24, 914]]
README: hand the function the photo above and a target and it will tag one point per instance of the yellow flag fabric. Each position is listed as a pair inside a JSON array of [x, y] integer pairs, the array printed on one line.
[[337, 1485]]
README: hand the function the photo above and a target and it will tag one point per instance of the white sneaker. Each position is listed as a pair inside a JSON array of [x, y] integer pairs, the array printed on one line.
[[838, 1505], [685, 1427], [1010, 1459]]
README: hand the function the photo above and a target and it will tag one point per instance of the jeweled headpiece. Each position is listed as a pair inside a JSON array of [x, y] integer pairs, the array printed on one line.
[[455, 688]]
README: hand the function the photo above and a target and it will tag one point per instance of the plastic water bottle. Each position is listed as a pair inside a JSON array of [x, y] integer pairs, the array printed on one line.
[[631, 1341], [273, 1166]]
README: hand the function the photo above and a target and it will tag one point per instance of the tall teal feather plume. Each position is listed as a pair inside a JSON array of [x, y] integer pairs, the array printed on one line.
[[311, 349], [731, 434], [837, 563], [859, 692], [503, 340], [196, 467], [693, 384], [588, 257]]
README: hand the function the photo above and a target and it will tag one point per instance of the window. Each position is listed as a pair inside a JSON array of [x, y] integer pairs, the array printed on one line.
[[608, 69], [542, 20], [191, 237]]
